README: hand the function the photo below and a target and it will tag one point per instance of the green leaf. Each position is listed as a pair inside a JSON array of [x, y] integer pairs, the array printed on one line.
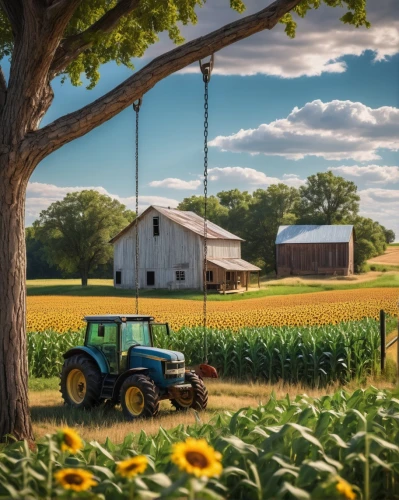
[[295, 491], [239, 445], [105, 452]]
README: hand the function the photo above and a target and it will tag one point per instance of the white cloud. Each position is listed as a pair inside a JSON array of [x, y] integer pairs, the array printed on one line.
[[293, 180], [251, 177], [334, 130], [173, 183], [319, 46], [381, 205], [376, 174], [40, 196]]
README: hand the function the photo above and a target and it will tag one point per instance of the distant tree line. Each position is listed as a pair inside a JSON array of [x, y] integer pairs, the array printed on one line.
[[71, 238], [256, 217]]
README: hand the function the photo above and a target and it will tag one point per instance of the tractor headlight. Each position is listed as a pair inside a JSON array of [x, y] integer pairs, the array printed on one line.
[[175, 368]]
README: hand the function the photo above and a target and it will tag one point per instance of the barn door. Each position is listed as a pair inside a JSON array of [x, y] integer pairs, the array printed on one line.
[[150, 278]]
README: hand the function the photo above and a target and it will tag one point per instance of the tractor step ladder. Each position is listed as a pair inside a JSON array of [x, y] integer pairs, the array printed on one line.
[[108, 386]]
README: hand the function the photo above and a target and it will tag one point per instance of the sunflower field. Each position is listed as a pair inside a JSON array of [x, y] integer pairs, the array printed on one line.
[[66, 313], [344, 446], [315, 355]]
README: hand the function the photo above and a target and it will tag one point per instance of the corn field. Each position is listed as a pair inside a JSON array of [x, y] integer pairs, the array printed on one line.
[[45, 350], [343, 446], [314, 356]]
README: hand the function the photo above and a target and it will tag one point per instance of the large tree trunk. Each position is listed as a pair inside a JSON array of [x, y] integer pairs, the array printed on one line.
[[14, 409]]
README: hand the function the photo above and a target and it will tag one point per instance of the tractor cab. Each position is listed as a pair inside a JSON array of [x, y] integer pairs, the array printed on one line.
[[118, 363], [113, 336]]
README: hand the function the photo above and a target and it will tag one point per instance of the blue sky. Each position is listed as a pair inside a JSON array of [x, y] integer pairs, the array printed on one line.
[[328, 99]]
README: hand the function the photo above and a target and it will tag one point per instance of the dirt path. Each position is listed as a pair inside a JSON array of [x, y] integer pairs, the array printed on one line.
[[389, 258], [323, 280]]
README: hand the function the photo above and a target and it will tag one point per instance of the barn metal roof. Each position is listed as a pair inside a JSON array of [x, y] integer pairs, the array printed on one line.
[[234, 264], [190, 221], [314, 234], [195, 223]]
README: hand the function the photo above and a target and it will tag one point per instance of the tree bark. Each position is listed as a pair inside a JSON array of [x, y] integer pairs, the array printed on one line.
[[14, 408], [84, 278]]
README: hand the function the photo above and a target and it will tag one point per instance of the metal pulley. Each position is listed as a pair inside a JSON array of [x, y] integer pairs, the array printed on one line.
[[206, 68]]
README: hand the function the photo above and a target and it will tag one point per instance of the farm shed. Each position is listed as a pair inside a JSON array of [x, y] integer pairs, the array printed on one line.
[[308, 249], [171, 253]]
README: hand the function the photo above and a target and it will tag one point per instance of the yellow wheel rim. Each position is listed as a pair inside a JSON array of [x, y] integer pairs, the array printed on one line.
[[76, 385], [186, 399], [134, 400]]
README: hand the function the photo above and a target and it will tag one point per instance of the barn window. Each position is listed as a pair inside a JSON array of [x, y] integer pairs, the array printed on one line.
[[155, 226], [228, 276], [209, 276], [150, 278], [180, 275], [118, 278]]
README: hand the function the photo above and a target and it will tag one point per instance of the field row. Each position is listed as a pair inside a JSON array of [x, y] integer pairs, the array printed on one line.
[[314, 356], [344, 446], [63, 313]]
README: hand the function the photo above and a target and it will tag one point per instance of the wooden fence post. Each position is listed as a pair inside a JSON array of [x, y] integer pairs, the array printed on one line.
[[383, 340]]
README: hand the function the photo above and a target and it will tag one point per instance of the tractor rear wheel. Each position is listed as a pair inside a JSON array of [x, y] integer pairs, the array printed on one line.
[[80, 382], [139, 397], [197, 400]]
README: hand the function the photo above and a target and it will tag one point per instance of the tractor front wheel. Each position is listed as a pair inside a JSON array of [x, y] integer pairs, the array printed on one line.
[[197, 399], [139, 397], [80, 382]]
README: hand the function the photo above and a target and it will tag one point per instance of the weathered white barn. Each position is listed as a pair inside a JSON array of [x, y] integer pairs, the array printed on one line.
[[172, 251]]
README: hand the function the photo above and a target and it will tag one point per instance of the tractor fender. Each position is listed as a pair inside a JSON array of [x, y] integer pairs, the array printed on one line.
[[94, 354], [124, 376]]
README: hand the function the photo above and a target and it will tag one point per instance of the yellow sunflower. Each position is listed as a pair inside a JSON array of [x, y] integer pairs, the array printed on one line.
[[132, 466], [75, 479], [345, 489], [70, 440], [196, 457]]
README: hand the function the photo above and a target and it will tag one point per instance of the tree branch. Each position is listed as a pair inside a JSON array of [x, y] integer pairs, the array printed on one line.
[[14, 12], [79, 123], [74, 45]]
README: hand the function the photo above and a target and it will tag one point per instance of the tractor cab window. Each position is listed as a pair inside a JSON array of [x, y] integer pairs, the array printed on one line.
[[104, 338], [134, 333]]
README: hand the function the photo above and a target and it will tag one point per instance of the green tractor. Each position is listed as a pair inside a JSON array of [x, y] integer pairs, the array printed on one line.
[[119, 364]]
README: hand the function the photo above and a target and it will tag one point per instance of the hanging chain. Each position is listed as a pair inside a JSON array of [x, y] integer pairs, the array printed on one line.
[[205, 200], [136, 107], [206, 69]]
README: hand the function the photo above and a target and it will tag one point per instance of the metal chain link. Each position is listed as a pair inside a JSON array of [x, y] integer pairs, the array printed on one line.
[[206, 70], [136, 108], [206, 80]]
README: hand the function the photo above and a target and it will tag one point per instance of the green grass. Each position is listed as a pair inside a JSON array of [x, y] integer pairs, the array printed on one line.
[[44, 384], [381, 267], [59, 287]]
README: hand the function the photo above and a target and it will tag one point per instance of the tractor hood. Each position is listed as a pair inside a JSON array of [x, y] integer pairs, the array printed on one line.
[[157, 354]]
